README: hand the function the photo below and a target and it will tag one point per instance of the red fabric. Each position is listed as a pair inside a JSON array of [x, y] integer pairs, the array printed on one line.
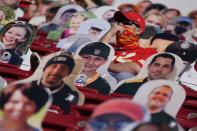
[[137, 55], [127, 39], [138, 19]]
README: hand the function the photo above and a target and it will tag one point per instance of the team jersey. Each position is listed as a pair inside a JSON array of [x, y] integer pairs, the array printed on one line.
[[138, 55]]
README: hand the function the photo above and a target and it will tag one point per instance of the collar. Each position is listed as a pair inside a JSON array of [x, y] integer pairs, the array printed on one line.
[[48, 90], [92, 79]]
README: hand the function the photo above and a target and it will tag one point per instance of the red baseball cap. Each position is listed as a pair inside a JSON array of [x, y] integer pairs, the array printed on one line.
[[121, 106], [132, 16]]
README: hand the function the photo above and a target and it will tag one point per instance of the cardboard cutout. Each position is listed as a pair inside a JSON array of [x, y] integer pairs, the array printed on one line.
[[96, 28], [173, 105], [70, 27], [56, 19], [39, 72], [189, 77], [15, 46], [103, 69], [144, 72], [105, 12], [32, 113], [72, 43], [3, 83]]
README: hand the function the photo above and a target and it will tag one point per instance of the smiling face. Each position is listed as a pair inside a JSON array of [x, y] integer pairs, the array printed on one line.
[[53, 75], [159, 97], [12, 36], [19, 108], [160, 68], [75, 22], [91, 63]]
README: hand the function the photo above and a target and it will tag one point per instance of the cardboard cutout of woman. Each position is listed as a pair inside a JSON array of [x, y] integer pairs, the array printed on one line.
[[19, 103], [15, 39]]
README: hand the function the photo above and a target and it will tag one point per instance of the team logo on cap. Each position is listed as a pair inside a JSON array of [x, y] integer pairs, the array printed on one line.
[[185, 45], [60, 59], [97, 51]]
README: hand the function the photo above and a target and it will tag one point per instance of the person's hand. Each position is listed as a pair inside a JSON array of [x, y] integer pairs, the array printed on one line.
[[116, 29]]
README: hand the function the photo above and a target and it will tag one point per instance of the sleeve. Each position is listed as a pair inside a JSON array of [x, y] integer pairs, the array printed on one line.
[[144, 53]]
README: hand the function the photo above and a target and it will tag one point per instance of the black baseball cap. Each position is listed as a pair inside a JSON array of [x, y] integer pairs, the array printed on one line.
[[63, 58], [185, 50], [97, 49]]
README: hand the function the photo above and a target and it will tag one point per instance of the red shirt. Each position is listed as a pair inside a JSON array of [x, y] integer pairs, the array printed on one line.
[[138, 55]]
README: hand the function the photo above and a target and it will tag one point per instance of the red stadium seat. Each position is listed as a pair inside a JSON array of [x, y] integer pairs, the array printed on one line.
[[84, 110], [43, 46], [87, 89], [95, 98], [121, 95], [187, 117], [12, 72], [190, 92], [190, 103]]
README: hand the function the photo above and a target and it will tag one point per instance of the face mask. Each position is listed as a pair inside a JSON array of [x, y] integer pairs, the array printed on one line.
[[179, 30], [127, 39]]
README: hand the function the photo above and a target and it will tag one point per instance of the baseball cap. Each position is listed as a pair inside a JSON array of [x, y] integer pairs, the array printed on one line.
[[98, 26], [184, 19], [120, 106], [185, 50], [131, 16], [97, 49], [63, 58]]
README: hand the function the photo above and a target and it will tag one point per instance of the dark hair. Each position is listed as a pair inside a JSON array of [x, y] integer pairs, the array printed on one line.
[[32, 92], [192, 14], [53, 9], [69, 11], [172, 9], [165, 36], [156, 6], [164, 55], [20, 47]]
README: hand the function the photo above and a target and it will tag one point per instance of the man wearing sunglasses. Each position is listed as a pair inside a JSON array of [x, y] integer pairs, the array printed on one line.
[[130, 57]]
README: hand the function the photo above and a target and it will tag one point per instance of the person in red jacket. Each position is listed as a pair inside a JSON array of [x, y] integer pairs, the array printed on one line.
[[129, 56]]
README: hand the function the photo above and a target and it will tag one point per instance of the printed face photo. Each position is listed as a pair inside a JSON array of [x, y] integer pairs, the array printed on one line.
[[91, 62], [16, 38], [161, 95], [54, 74], [23, 104], [95, 28], [160, 68]]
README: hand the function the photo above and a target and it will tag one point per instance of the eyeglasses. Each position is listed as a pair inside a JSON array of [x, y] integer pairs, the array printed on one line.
[[102, 125], [130, 23]]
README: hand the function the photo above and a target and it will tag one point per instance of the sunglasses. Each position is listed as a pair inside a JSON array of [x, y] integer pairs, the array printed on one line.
[[130, 23], [102, 125]]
